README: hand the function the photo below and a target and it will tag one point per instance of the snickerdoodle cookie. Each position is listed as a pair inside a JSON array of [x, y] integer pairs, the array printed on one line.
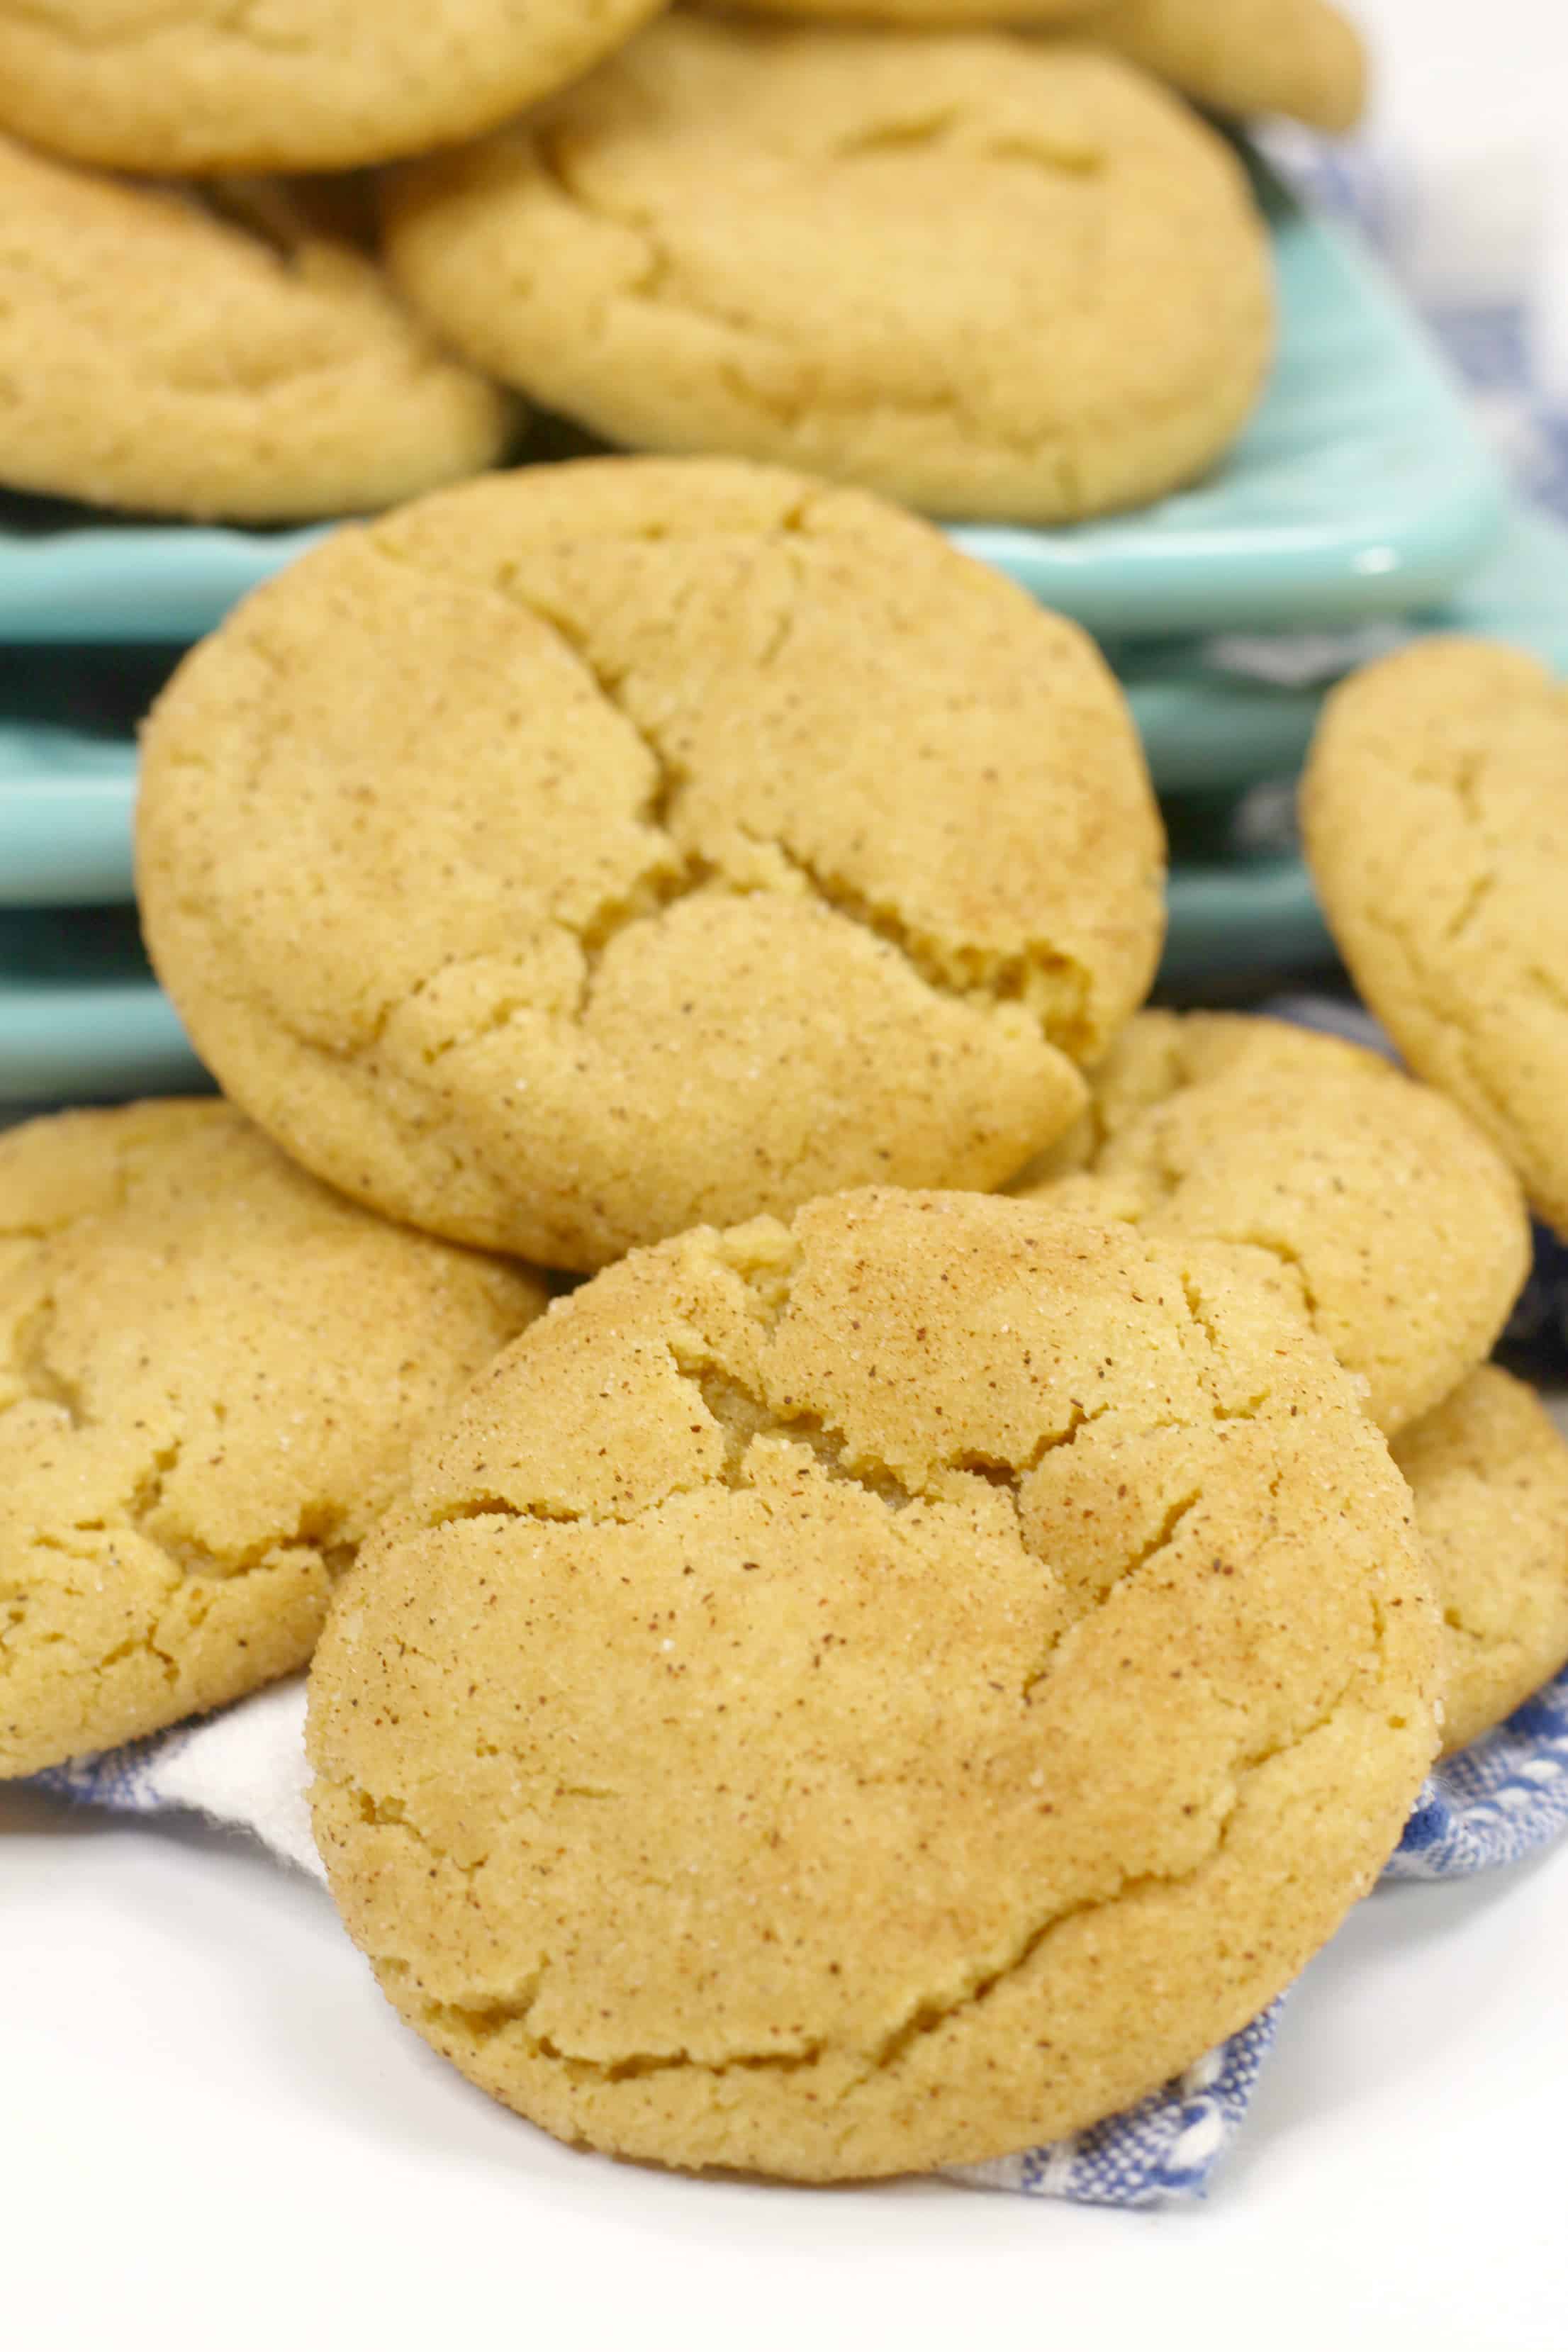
[[1489, 1475], [199, 86], [212, 1370], [875, 1693], [242, 357], [1436, 818], [605, 848], [984, 274], [1300, 58], [1391, 1222]]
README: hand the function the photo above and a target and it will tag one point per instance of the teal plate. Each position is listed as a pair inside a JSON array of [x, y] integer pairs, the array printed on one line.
[[1254, 919], [82, 1018], [80, 1013], [67, 770], [1208, 724], [1361, 486], [67, 755]]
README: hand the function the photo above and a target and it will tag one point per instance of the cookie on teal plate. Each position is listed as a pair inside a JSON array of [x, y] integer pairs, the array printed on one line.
[[1361, 485]]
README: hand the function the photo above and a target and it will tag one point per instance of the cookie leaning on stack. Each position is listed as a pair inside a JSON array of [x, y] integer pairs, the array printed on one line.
[[985, 275], [601, 848], [212, 1373], [1435, 823]]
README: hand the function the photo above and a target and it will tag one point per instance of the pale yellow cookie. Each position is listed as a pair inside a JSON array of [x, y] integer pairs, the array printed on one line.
[[604, 847], [1393, 1224], [1489, 1475], [211, 1371], [1300, 58], [199, 86], [160, 355], [1436, 818], [876, 1693], [985, 275], [1071, 15]]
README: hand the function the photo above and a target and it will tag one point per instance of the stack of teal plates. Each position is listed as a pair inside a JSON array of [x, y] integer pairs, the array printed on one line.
[[1361, 496]]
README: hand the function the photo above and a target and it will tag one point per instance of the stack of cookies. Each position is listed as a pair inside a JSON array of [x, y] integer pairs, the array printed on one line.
[[991, 273], [954, 1597], [277, 267]]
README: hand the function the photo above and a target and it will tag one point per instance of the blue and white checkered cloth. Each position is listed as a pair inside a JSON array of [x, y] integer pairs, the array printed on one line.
[[1498, 1801]]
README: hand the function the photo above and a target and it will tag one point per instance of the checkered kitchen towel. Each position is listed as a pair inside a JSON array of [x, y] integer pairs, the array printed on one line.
[[1498, 1801]]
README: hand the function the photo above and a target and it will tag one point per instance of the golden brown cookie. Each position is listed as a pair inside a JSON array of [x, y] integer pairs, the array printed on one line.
[[985, 275], [875, 1693], [1489, 1475], [199, 86], [608, 847], [940, 15], [212, 1370], [162, 353], [1392, 1224], [1300, 58], [1436, 818]]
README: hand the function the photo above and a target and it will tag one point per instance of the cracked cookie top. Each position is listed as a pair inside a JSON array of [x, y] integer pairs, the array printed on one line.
[[1488, 1471], [1390, 1222], [604, 848], [198, 86], [1436, 820], [212, 1370], [238, 355], [990, 276], [876, 1692]]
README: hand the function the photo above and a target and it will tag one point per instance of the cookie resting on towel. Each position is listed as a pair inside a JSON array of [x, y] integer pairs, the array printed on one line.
[[1489, 1474], [875, 1693], [211, 1371], [1383, 1214]]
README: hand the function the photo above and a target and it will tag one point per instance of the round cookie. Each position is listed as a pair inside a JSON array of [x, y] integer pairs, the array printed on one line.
[[157, 355], [211, 1371], [886, 1691], [985, 275], [1436, 821], [605, 848], [1489, 1477], [200, 86], [1392, 1224]]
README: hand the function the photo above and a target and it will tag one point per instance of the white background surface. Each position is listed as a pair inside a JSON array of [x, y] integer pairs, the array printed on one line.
[[212, 2133]]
